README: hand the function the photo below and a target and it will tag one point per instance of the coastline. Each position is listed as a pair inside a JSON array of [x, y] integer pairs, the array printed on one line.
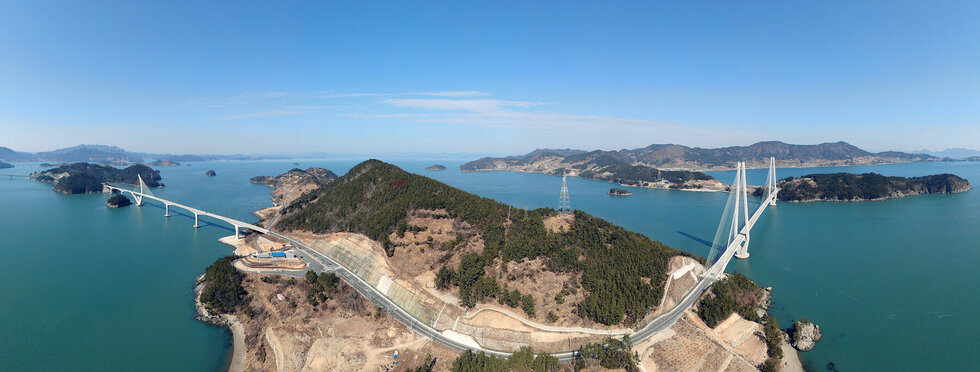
[[592, 179], [237, 361], [722, 169]]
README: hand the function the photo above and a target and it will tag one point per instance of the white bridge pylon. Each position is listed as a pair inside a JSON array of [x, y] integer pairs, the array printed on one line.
[[736, 222], [741, 213]]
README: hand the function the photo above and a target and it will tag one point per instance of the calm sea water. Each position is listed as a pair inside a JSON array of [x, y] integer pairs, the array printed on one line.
[[892, 284]]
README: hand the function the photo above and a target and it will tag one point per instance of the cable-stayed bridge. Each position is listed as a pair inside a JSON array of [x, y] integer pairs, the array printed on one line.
[[731, 240], [144, 193]]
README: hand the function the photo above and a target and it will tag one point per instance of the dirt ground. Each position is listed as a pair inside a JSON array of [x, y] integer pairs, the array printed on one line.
[[287, 264], [348, 333], [687, 347], [242, 246], [559, 223]]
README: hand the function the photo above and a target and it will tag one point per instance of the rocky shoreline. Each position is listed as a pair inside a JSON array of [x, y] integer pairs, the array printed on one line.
[[237, 362], [651, 186]]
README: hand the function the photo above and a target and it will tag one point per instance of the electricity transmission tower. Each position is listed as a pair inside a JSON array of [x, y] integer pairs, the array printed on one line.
[[564, 204]]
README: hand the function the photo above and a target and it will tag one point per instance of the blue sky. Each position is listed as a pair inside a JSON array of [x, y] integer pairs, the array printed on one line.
[[493, 77]]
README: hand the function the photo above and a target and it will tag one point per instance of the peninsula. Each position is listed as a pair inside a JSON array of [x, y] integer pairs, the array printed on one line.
[[5, 165], [865, 187], [290, 185], [598, 165], [79, 178]]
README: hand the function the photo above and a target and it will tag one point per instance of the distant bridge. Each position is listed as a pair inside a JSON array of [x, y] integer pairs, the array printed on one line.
[[140, 195]]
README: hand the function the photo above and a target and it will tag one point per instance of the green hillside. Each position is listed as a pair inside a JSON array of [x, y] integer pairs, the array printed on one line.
[[375, 198]]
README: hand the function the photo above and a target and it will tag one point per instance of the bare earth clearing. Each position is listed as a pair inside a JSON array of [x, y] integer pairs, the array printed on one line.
[[348, 333]]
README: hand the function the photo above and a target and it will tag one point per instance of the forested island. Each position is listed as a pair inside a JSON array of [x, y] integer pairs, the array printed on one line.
[[865, 187], [79, 178], [436, 167], [5, 165], [619, 192], [118, 201], [622, 273]]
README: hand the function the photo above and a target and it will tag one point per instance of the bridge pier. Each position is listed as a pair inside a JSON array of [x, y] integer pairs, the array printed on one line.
[[196, 224], [167, 210], [743, 250], [237, 237]]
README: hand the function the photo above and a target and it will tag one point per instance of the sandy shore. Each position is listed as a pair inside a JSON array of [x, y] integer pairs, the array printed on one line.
[[791, 359]]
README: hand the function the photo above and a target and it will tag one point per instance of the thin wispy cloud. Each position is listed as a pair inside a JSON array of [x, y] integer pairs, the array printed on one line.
[[458, 93], [349, 95], [477, 105], [259, 115]]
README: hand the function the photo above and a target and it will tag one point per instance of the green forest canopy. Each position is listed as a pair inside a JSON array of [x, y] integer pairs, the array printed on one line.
[[867, 186], [374, 198]]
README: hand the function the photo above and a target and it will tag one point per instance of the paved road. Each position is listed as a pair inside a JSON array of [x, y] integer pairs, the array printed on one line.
[[658, 324], [321, 263]]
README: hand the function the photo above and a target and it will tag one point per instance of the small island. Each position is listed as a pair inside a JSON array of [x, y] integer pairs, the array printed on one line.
[[5, 165], [436, 167], [210, 173], [615, 191], [804, 335], [118, 201], [164, 163], [851, 187]]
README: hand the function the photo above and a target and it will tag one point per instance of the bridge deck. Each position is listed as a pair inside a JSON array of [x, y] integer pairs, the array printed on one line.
[[196, 211], [655, 326], [722, 263]]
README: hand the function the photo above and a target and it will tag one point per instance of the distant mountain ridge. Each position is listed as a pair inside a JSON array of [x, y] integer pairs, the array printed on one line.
[[671, 156], [956, 153], [107, 155]]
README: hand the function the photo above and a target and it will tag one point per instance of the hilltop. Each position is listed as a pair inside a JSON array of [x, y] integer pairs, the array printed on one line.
[[290, 185], [81, 178], [613, 275], [670, 156]]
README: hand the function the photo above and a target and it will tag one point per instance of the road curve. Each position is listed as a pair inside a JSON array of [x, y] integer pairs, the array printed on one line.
[[658, 324], [322, 263]]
